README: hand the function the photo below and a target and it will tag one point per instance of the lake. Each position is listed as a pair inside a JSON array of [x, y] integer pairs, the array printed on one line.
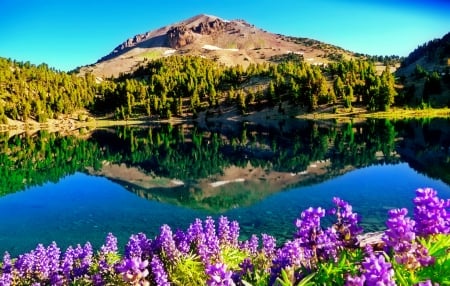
[[73, 188]]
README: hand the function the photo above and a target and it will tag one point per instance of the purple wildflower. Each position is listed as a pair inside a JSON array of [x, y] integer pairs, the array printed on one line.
[[195, 231], [182, 241], [41, 264], [97, 280], [251, 245], [317, 244], [431, 213], [218, 275], [76, 261], [158, 272], [355, 281], [223, 231], [110, 245], [166, 244], [291, 254], [6, 279], [234, 233], [209, 247], [228, 232], [347, 222], [377, 271], [268, 245], [7, 264], [400, 237], [133, 270], [139, 246]]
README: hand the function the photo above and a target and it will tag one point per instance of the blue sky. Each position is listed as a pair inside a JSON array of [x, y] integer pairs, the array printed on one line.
[[70, 33]]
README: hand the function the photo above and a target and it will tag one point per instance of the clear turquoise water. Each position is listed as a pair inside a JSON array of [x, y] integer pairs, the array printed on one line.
[[82, 208]]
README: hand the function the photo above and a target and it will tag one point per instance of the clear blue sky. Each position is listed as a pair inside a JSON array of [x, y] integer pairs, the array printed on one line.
[[70, 33]]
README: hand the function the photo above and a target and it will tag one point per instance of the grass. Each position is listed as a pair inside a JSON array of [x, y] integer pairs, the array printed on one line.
[[152, 54], [394, 113]]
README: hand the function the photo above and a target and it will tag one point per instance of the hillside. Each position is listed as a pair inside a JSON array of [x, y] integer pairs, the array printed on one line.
[[228, 42], [206, 68], [425, 73]]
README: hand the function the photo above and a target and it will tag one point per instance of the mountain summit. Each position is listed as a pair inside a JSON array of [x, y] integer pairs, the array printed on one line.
[[229, 42]]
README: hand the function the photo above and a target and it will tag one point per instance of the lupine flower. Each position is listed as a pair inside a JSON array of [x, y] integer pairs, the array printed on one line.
[[195, 230], [76, 261], [182, 241], [218, 275], [134, 270], [251, 245], [291, 254], [223, 231], [400, 237], [97, 280], [41, 264], [139, 246], [110, 245], [228, 232], [347, 222], [431, 213], [210, 246], [234, 233], [6, 265], [6, 276], [107, 249], [377, 271], [317, 244], [400, 232], [158, 272], [355, 281], [268, 245], [166, 244]]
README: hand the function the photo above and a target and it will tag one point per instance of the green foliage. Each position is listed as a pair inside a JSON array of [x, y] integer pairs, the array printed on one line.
[[183, 85], [39, 92], [189, 270], [232, 257], [438, 246], [338, 271]]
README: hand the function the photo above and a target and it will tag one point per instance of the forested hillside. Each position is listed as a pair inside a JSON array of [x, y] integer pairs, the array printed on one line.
[[40, 93], [185, 85], [425, 73]]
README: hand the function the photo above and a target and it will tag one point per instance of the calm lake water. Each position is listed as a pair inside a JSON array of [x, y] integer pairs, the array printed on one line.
[[77, 188]]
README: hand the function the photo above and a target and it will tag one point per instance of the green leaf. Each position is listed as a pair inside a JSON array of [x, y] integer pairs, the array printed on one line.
[[305, 281], [246, 283]]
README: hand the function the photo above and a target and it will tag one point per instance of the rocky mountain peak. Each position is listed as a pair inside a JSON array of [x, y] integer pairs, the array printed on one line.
[[185, 33]]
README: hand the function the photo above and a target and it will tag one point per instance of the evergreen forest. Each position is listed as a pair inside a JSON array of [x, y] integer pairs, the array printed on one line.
[[183, 86]]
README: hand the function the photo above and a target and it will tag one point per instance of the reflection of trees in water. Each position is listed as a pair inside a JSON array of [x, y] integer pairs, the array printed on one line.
[[190, 153], [27, 161]]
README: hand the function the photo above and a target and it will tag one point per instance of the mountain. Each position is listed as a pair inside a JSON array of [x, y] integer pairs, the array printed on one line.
[[229, 42]]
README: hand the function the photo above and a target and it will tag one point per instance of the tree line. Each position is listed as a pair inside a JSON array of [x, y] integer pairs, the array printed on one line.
[[186, 85], [38, 92]]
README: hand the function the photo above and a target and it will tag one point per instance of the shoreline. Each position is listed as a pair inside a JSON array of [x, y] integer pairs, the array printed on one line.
[[394, 114], [71, 124]]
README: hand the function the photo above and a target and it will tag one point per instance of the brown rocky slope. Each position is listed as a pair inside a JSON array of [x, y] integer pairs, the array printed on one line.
[[229, 42]]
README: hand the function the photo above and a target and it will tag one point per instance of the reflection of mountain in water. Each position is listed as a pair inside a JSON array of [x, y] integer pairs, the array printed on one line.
[[234, 187], [217, 167], [226, 168]]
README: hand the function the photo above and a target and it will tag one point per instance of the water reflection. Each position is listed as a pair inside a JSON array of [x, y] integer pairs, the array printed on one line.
[[186, 171]]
